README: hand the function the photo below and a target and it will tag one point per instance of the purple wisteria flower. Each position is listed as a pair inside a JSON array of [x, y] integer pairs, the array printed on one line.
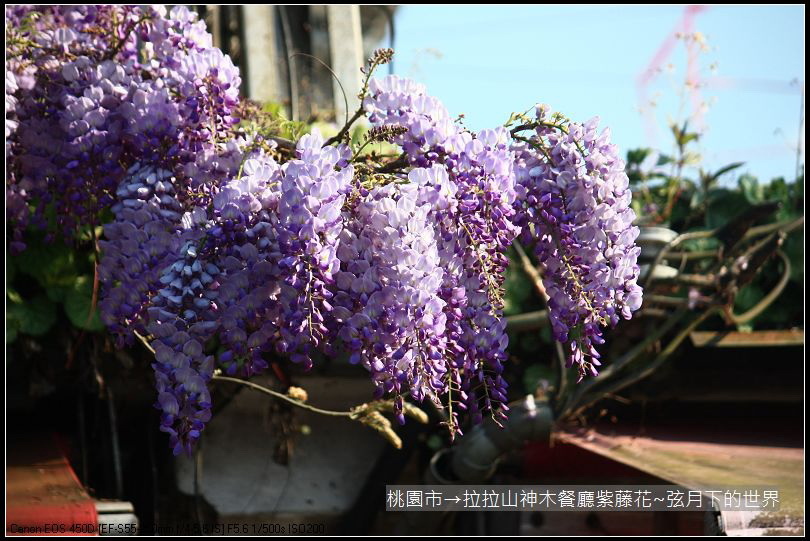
[[575, 207], [470, 181], [106, 87], [388, 302], [225, 248]]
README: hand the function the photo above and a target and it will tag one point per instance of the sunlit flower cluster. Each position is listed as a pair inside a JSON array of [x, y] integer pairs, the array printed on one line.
[[221, 253]]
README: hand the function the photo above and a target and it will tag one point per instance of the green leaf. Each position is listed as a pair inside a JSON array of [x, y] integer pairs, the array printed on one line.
[[34, 317], [663, 159], [682, 137], [12, 328], [676, 130], [701, 244], [274, 108], [727, 169], [750, 188], [747, 297], [57, 293], [688, 137], [691, 159], [13, 296], [788, 194], [637, 156], [724, 205], [358, 133], [683, 209], [52, 264], [534, 374], [78, 302]]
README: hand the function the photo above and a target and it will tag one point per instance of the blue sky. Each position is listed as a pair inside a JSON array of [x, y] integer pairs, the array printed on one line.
[[486, 61]]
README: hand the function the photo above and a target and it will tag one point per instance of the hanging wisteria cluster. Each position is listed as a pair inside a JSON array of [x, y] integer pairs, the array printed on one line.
[[222, 246]]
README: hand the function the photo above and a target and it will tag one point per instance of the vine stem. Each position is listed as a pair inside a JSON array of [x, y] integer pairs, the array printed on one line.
[[93, 303], [400, 162], [360, 111], [96, 278], [533, 125], [534, 274], [367, 414], [786, 227], [255, 386], [281, 396], [345, 129], [144, 341], [117, 47], [619, 384], [357, 152], [334, 75], [531, 271]]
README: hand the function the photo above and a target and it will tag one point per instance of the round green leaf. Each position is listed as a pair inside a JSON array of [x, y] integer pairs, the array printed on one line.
[[34, 317], [78, 303], [53, 265]]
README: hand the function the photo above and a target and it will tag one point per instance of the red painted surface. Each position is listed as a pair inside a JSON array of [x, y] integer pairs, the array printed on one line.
[[563, 463], [43, 494], [544, 462]]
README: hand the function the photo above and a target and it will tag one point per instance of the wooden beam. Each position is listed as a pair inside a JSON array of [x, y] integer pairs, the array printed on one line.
[[736, 339]]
